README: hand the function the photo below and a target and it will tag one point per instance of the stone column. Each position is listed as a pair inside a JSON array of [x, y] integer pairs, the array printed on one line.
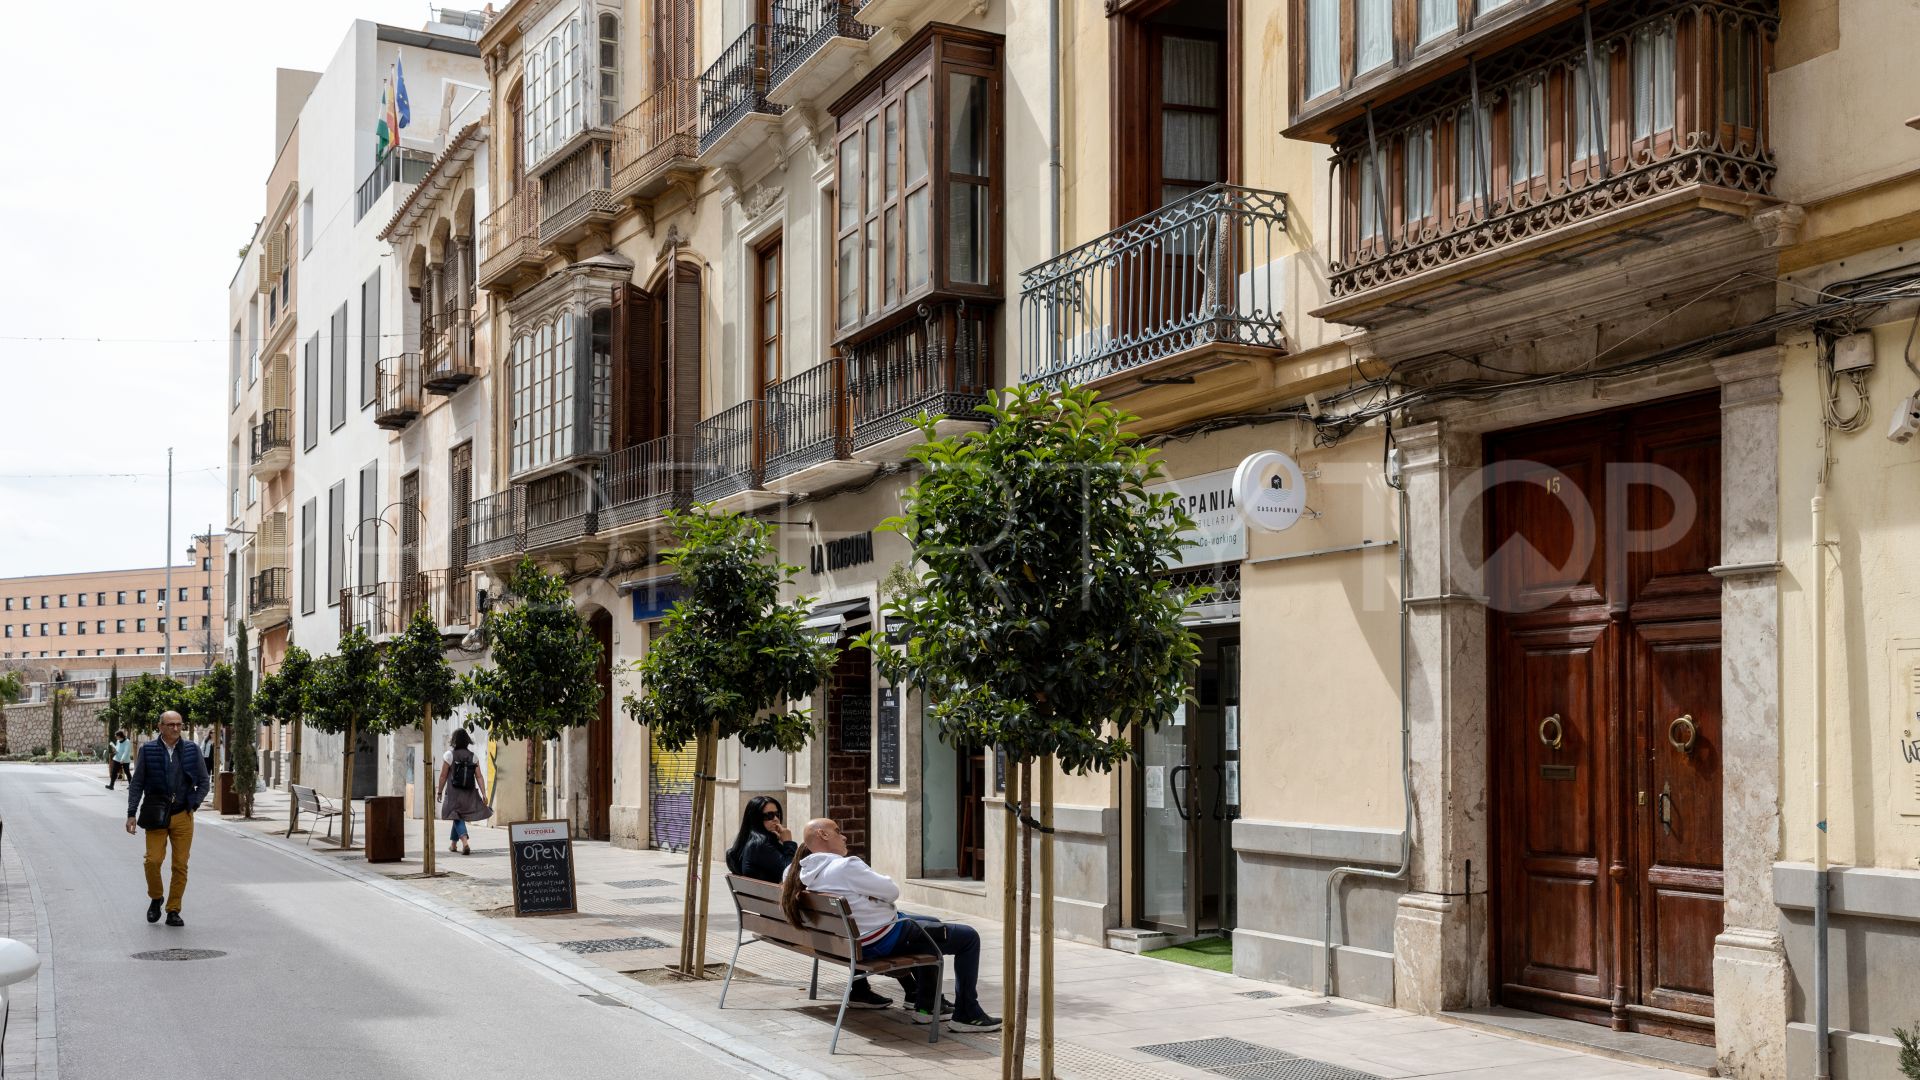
[[1749, 963], [1440, 933]]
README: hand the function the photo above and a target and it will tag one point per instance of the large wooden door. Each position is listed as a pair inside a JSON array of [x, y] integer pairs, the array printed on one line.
[[600, 737], [1605, 716]]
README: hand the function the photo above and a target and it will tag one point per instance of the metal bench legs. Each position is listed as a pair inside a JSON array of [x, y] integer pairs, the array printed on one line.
[[739, 939]]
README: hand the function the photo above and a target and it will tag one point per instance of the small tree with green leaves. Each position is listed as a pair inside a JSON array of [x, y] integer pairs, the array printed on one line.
[[210, 704], [106, 715], [11, 687], [344, 696], [729, 661], [283, 696], [246, 726], [420, 687], [1039, 621], [140, 702], [1909, 1051], [544, 672]]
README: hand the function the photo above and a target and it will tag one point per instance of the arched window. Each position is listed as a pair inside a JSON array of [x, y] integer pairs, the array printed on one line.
[[609, 69]]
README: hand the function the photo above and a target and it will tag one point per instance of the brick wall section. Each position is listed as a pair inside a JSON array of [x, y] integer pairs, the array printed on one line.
[[30, 727], [849, 773]]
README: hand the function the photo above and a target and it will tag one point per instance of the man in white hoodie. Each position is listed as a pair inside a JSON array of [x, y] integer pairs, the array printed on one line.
[[825, 867]]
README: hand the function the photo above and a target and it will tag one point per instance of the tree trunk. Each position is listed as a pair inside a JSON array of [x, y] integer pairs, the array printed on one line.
[[427, 779], [1009, 923], [1026, 920], [293, 777], [1046, 918], [346, 790], [705, 863], [696, 822]]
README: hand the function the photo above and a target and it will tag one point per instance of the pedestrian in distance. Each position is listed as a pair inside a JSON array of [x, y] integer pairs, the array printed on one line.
[[462, 797], [119, 759], [168, 784]]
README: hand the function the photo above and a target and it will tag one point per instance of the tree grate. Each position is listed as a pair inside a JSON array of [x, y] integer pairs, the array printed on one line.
[[1323, 1010], [180, 954], [1298, 1068], [643, 883], [1214, 1053], [646, 900], [619, 944], [1259, 995]]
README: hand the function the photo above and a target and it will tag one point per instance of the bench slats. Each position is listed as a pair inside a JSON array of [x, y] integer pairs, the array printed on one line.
[[782, 932]]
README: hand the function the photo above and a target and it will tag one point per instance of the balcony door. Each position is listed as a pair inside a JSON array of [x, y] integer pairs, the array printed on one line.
[[1176, 117]]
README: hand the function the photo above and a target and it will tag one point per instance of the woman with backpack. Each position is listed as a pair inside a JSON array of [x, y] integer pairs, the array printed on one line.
[[463, 798]]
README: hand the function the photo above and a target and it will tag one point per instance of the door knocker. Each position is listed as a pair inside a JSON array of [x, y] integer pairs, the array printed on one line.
[[1552, 723], [1684, 745]]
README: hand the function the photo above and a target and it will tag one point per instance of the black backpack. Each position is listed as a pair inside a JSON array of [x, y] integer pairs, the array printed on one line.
[[464, 766]]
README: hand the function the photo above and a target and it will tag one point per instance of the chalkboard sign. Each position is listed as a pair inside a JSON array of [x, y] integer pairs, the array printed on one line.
[[888, 765], [856, 734], [542, 853]]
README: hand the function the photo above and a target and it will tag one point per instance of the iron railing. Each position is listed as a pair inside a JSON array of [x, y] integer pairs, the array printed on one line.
[[560, 508], [510, 236], [399, 400], [497, 525], [1711, 131], [270, 588], [801, 27], [386, 607], [577, 190], [446, 340], [727, 452], [646, 480], [736, 85], [399, 166], [1200, 271], [273, 432], [803, 421], [664, 126], [939, 362]]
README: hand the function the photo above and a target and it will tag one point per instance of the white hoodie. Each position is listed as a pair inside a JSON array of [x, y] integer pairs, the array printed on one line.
[[870, 894]]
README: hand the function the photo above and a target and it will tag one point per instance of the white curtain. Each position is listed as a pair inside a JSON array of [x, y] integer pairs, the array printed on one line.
[[1652, 80], [1585, 109], [1323, 46], [1372, 34], [1437, 17]]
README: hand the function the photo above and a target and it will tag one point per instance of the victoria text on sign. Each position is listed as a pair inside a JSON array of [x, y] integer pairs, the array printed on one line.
[[542, 855]]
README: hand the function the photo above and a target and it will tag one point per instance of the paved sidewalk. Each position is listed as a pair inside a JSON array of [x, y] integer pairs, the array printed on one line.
[[1110, 1005], [31, 1053]]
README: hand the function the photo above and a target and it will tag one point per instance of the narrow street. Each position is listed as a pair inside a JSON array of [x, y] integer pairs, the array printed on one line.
[[319, 976]]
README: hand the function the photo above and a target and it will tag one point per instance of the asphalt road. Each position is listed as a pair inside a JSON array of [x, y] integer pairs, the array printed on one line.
[[323, 977]]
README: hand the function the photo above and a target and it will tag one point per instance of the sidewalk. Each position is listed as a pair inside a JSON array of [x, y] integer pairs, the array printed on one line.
[[31, 1053], [1120, 1017]]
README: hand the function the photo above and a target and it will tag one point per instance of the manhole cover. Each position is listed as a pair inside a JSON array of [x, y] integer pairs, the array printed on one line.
[[1259, 995], [648, 883], [1294, 1069], [1214, 1053], [179, 954], [619, 944], [1322, 1010], [669, 977]]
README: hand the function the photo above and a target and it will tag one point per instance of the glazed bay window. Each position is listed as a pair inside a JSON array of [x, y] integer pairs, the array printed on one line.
[[561, 372], [555, 88], [917, 201]]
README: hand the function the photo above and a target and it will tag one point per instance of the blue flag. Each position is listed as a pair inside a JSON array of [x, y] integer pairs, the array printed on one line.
[[400, 92]]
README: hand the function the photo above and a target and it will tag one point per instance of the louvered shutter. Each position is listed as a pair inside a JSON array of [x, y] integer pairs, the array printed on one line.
[[460, 508], [273, 541], [683, 349], [279, 391], [634, 392], [266, 275]]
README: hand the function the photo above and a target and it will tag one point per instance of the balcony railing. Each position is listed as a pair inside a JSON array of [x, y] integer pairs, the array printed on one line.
[[801, 27], [736, 85], [577, 194], [510, 236], [654, 134], [1198, 272], [728, 453], [273, 432], [940, 363], [803, 421], [269, 589], [447, 345], [399, 400], [386, 607], [497, 525], [400, 166], [1711, 133], [645, 481], [560, 509]]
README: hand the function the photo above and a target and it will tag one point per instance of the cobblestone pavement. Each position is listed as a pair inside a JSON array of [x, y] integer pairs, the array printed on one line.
[[1110, 1005]]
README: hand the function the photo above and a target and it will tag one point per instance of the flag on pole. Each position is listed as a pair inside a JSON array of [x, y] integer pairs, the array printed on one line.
[[383, 133], [400, 94]]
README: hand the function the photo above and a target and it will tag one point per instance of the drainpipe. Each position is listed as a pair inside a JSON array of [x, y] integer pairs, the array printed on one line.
[[1053, 124], [1823, 1063], [1398, 482]]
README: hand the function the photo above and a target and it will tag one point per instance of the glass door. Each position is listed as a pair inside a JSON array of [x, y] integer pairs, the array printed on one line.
[[1168, 847]]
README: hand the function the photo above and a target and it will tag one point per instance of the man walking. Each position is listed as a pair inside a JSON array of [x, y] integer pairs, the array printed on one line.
[[172, 776]]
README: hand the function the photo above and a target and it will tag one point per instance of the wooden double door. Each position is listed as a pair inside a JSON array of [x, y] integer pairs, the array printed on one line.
[[1605, 716]]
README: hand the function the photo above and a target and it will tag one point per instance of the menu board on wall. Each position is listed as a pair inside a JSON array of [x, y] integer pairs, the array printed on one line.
[[887, 759], [856, 735]]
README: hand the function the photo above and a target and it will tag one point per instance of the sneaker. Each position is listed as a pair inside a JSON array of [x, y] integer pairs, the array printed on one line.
[[921, 1016], [174, 919], [863, 997], [980, 1021], [153, 911]]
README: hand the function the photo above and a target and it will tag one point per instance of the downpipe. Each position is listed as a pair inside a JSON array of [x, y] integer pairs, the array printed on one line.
[[1398, 482], [1823, 1052]]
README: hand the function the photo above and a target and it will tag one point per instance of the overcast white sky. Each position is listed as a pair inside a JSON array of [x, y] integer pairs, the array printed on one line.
[[137, 140]]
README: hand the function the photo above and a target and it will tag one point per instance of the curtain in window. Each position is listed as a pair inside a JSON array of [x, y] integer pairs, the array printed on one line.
[[1526, 130], [1585, 109], [1370, 209], [1471, 167], [1323, 46], [1372, 34], [1419, 193], [1437, 17], [1190, 148], [1652, 80]]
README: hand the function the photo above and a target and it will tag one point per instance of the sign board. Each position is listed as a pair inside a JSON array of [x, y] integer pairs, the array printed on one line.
[[1270, 490], [856, 733], [1219, 533], [542, 856], [887, 766], [838, 554]]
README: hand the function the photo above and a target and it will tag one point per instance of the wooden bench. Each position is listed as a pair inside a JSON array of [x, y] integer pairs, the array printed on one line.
[[827, 933], [309, 801]]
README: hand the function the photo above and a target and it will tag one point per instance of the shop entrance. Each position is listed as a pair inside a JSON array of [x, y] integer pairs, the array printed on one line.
[[850, 746], [1604, 712], [1186, 795], [600, 737]]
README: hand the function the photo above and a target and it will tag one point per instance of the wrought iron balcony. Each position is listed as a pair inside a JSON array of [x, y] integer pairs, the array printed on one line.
[[400, 166], [447, 345], [560, 509], [384, 608], [815, 43], [642, 482], [804, 420], [728, 453], [399, 400], [272, 441], [497, 526], [657, 140], [576, 195], [270, 595], [1198, 274], [939, 363], [733, 89], [510, 239]]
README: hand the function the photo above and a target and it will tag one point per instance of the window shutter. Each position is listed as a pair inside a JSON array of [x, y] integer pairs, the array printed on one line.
[[309, 570], [683, 349], [310, 390], [367, 531], [266, 265], [633, 391], [409, 526], [279, 391], [273, 540], [460, 508]]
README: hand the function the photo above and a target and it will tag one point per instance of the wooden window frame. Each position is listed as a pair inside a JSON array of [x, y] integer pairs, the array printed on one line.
[[1136, 121], [766, 377]]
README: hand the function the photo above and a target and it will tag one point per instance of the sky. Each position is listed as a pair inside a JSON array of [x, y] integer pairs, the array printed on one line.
[[134, 165]]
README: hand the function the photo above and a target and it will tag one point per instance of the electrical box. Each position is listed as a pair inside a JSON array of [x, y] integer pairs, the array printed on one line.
[[1853, 353], [1904, 768]]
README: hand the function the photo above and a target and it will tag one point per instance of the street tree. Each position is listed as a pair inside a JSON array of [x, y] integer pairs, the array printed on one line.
[[343, 696], [283, 697], [730, 661], [420, 686], [246, 726], [210, 703], [140, 702], [113, 695], [543, 677], [1039, 622]]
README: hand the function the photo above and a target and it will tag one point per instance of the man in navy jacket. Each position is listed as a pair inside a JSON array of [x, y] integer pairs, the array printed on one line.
[[169, 769]]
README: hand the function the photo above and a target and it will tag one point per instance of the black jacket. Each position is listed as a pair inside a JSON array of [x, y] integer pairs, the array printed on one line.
[[764, 857], [150, 771]]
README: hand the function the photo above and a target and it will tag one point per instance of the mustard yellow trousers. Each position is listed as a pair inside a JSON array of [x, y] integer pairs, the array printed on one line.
[[179, 832]]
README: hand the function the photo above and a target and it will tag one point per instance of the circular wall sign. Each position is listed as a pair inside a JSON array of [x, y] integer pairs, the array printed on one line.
[[1270, 490]]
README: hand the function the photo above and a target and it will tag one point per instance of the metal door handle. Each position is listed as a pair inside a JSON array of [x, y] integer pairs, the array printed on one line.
[[1666, 808], [1173, 781], [1553, 741], [1685, 745]]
